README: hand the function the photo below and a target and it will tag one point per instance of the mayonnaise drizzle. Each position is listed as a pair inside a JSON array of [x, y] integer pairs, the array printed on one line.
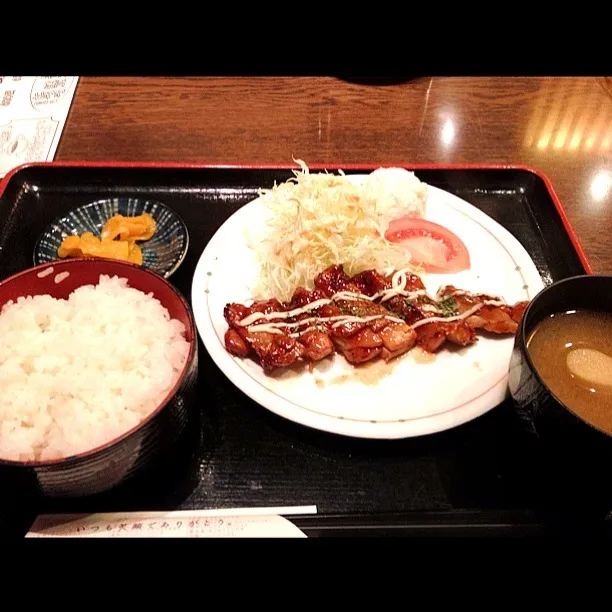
[[285, 314], [463, 315], [429, 308], [459, 292], [398, 283], [350, 319], [398, 287], [337, 321]]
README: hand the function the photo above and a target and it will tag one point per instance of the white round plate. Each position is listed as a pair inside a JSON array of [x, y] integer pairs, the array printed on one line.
[[407, 397]]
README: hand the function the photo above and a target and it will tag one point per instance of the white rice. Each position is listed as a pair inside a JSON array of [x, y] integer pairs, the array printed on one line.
[[76, 373]]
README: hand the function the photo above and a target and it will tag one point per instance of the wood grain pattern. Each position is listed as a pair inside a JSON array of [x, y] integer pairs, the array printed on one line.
[[562, 126]]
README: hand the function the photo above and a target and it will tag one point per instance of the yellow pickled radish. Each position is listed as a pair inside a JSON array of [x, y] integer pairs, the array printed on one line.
[[114, 249], [135, 253], [141, 227], [148, 227], [118, 239], [116, 227], [70, 247]]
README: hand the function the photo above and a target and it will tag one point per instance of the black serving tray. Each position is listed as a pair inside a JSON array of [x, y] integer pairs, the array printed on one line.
[[471, 480]]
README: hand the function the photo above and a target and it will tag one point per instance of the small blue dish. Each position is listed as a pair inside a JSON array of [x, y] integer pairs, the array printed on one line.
[[162, 254]]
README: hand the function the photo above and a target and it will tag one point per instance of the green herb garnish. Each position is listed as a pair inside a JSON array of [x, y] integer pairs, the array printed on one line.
[[448, 306]]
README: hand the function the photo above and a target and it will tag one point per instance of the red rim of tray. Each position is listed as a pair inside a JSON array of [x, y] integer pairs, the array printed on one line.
[[321, 166]]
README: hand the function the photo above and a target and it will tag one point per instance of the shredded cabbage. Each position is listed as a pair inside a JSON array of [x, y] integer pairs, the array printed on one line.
[[320, 219]]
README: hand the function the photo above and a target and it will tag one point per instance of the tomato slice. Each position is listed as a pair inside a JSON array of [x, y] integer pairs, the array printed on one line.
[[431, 245]]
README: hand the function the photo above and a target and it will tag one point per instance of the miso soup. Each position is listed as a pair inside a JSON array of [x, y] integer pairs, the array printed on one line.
[[572, 352]]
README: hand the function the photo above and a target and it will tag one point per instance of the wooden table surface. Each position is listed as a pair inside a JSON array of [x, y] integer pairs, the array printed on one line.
[[561, 126]]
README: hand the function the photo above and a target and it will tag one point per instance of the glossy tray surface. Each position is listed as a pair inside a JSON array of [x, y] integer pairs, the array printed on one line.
[[240, 454]]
